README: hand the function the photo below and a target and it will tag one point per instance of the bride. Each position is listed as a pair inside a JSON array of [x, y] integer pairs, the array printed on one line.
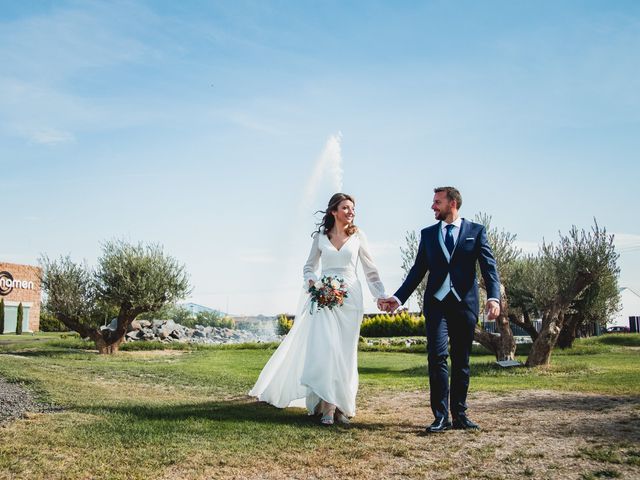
[[316, 364]]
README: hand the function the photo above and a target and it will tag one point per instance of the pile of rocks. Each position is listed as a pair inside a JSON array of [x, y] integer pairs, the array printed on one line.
[[394, 341], [169, 331]]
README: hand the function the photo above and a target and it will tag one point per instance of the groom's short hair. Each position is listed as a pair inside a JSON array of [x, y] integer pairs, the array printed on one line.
[[452, 194]]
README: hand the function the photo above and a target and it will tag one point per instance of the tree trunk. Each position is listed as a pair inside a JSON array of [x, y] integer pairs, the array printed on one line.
[[110, 340], [569, 331], [553, 320], [503, 345], [507, 344], [541, 349], [487, 340], [106, 348]]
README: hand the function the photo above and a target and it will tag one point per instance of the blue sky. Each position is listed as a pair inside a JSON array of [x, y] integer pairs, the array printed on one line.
[[198, 125]]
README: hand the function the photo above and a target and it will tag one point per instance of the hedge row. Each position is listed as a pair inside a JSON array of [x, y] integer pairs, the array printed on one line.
[[382, 325], [402, 324]]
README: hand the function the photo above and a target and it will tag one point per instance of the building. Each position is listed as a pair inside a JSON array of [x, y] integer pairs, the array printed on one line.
[[195, 308], [629, 315], [20, 284]]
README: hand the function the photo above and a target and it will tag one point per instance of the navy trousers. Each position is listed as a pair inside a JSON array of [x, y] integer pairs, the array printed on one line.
[[449, 321]]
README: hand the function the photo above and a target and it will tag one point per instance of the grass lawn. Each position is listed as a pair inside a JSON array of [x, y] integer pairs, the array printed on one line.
[[184, 414]]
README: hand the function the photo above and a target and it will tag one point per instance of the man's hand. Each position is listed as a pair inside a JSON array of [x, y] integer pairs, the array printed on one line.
[[388, 304], [493, 309]]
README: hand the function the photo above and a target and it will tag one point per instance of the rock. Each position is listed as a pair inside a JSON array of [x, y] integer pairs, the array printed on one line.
[[168, 331], [135, 325], [112, 326], [134, 335]]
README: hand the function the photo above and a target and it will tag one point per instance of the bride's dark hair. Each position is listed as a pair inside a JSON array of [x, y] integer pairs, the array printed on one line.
[[328, 221]]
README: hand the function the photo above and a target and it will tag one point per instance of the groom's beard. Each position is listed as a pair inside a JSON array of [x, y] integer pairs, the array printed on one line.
[[441, 215]]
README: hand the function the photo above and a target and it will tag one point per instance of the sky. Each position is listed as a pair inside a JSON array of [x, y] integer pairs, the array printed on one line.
[[217, 129]]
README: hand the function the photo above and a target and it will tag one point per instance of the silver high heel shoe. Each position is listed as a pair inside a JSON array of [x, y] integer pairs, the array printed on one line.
[[328, 416]]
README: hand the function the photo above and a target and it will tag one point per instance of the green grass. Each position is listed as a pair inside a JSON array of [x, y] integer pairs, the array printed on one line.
[[154, 411]]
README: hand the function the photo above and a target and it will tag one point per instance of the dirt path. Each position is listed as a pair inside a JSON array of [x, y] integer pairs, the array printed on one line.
[[527, 434]]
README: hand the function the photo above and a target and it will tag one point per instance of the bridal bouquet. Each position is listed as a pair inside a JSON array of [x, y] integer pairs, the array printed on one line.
[[328, 292]]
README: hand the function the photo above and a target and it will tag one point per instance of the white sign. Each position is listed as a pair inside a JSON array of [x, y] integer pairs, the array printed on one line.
[[8, 283]]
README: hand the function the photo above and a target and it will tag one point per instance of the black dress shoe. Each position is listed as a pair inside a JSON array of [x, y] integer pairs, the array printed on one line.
[[462, 422], [439, 425]]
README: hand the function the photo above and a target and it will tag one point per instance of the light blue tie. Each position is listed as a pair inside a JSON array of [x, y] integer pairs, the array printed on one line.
[[448, 239]]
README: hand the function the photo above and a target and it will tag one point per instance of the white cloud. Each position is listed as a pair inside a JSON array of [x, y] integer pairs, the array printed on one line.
[[51, 136], [245, 120], [38, 101]]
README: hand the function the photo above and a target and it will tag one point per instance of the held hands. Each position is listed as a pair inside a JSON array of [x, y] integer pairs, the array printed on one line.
[[493, 309], [388, 305]]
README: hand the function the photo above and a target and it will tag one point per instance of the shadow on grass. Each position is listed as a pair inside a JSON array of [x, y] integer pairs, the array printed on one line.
[[51, 353], [477, 369], [247, 411]]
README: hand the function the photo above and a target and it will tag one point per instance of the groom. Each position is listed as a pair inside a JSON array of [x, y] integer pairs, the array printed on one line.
[[449, 251]]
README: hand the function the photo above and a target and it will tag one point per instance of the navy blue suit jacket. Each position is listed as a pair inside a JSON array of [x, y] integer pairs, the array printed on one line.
[[472, 246]]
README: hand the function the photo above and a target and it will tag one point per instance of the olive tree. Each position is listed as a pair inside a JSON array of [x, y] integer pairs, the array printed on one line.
[[129, 280], [596, 306], [560, 277]]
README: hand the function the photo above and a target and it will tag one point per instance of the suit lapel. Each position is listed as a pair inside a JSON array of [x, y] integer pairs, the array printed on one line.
[[464, 228]]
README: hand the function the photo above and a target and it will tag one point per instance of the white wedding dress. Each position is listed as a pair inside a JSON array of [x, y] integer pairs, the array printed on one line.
[[318, 357]]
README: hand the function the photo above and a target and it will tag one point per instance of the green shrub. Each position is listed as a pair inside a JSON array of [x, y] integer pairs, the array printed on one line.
[[73, 342], [215, 319], [49, 323], [20, 319], [402, 324], [285, 322], [1, 316]]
